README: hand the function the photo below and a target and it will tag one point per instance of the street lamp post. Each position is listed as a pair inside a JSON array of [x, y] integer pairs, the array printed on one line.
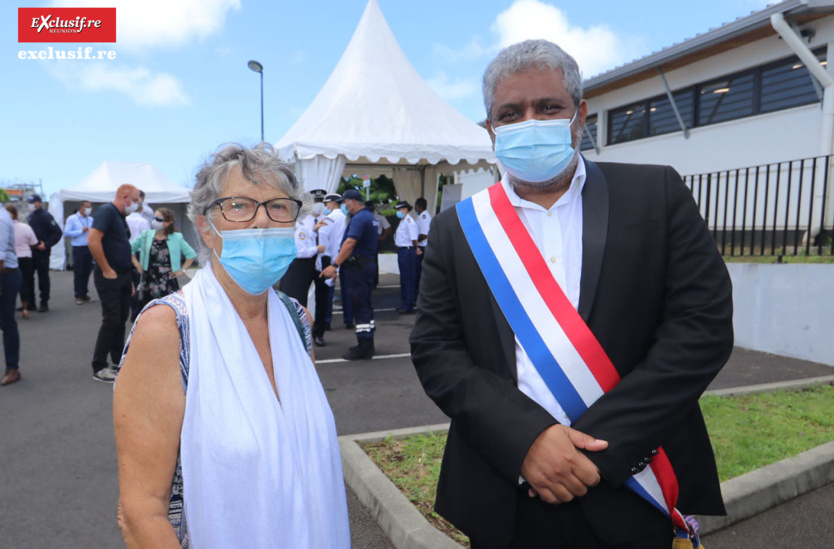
[[258, 68]]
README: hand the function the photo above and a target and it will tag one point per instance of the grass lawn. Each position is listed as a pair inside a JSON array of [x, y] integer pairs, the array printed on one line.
[[747, 432]]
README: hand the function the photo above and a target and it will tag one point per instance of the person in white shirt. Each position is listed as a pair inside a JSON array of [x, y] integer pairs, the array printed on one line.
[[24, 239], [406, 241], [137, 222], [338, 221], [77, 228], [423, 224], [296, 282], [10, 281], [322, 285], [383, 228]]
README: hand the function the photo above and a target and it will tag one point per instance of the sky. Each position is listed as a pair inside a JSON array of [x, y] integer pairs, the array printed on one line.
[[179, 85]]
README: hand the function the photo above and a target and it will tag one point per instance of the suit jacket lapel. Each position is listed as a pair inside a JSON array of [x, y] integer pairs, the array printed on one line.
[[594, 234], [506, 337]]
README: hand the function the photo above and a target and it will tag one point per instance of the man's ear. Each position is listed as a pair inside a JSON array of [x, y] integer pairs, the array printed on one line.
[[491, 132]]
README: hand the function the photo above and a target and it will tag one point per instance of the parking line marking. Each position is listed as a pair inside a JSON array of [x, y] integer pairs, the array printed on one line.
[[379, 357], [375, 310]]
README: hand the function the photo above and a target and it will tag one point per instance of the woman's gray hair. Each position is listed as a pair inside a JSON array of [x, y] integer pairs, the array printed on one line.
[[531, 54], [259, 165]]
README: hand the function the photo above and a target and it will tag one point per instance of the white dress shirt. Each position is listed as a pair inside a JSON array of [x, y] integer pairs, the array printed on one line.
[[557, 233], [423, 224], [137, 224], [305, 237], [406, 232]]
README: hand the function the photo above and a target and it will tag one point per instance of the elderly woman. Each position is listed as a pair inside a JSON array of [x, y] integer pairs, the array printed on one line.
[[161, 250], [223, 432]]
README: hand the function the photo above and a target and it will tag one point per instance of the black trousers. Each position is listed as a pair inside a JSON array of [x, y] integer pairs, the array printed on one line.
[[40, 262], [82, 266], [323, 297], [296, 281], [540, 525], [358, 281], [27, 287], [115, 308]]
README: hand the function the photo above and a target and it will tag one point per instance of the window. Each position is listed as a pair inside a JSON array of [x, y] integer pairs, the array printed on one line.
[[726, 99], [589, 137], [662, 118], [780, 85], [627, 123], [788, 83]]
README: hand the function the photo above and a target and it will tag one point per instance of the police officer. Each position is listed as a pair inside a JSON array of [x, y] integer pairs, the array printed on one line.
[[323, 293], [302, 271], [48, 234], [406, 241], [356, 263], [338, 221], [423, 224], [383, 229]]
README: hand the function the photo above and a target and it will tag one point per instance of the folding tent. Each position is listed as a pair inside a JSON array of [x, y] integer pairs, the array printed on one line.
[[375, 116], [100, 187]]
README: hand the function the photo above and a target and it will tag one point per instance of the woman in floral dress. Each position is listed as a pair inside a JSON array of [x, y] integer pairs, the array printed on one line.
[[160, 256]]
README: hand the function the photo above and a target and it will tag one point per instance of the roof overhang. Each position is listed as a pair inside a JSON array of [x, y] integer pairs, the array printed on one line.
[[727, 37]]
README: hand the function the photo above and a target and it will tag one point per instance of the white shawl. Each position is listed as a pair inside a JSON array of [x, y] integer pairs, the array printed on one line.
[[257, 473]]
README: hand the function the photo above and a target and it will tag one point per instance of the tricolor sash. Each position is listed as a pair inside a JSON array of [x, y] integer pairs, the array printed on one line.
[[569, 358]]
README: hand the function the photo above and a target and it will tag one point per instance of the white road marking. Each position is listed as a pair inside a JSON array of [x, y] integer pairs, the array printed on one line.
[[378, 357]]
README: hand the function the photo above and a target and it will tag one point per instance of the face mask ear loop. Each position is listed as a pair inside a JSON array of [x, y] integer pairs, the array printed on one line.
[[217, 233]]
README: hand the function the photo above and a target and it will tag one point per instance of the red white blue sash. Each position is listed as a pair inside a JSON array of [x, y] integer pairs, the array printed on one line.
[[569, 358]]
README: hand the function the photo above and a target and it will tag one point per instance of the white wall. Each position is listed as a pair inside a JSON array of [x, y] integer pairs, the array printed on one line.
[[785, 309], [763, 139]]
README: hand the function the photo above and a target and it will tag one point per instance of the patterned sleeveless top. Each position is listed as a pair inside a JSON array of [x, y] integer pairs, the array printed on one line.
[[177, 302]]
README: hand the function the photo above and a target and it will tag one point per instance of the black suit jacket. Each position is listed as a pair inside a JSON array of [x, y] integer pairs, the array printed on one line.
[[656, 294]]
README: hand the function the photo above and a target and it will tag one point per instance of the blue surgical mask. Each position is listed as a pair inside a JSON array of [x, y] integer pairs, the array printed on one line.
[[535, 151], [344, 209], [257, 258], [400, 214], [327, 211]]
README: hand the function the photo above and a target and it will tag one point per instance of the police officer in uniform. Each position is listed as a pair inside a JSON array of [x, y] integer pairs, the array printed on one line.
[[356, 263], [323, 293], [406, 241], [298, 278], [423, 224]]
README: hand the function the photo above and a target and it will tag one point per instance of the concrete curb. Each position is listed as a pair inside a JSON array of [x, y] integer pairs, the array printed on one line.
[[770, 387], [765, 488], [744, 496], [399, 519]]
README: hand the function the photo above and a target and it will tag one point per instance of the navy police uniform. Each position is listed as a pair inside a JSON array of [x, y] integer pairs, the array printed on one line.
[[357, 272]]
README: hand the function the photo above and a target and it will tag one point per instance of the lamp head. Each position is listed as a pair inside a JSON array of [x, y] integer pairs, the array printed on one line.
[[255, 66]]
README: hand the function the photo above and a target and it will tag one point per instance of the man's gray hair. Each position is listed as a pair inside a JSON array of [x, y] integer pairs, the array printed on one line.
[[259, 165], [531, 54]]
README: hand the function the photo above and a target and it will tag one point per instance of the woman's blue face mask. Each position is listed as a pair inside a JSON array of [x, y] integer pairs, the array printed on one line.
[[257, 258]]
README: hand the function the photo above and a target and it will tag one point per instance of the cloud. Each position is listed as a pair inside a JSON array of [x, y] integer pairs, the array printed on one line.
[[473, 50], [140, 84], [453, 89], [145, 24], [595, 48]]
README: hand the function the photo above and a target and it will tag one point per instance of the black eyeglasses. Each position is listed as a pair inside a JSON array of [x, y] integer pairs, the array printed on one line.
[[159, 219], [240, 209]]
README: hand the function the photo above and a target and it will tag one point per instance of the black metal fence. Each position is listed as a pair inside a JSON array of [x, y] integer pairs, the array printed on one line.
[[774, 209]]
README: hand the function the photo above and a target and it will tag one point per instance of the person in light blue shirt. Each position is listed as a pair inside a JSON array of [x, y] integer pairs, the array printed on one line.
[[77, 227], [10, 281]]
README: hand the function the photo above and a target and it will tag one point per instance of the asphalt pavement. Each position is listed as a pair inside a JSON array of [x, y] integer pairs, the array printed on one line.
[[58, 482]]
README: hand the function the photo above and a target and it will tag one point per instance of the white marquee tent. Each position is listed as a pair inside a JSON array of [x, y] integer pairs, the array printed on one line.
[[100, 187], [376, 116]]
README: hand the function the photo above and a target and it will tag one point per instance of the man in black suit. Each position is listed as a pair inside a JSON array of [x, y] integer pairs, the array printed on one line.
[[627, 246]]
